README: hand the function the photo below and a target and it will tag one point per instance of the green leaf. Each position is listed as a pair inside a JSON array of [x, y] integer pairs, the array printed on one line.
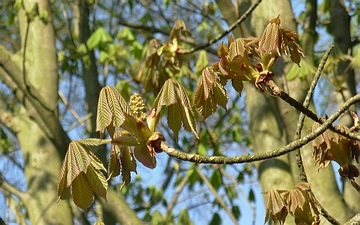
[[82, 192], [184, 218], [112, 108], [114, 163], [99, 38], [156, 218], [216, 180], [202, 62], [231, 192], [215, 220], [193, 176], [128, 164], [202, 149], [301, 72], [63, 190], [174, 119], [77, 159], [236, 211], [97, 181], [126, 34], [237, 85], [251, 196]]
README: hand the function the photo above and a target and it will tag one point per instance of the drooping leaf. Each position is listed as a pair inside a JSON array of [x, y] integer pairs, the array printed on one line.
[[172, 93], [209, 93], [82, 192], [63, 190], [184, 217], [112, 109], [145, 155], [271, 39], [275, 207], [179, 26], [174, 118], [114, 163], [128, 164], [237, 48], [78, 161], [216, 180], [237, 85], [97, 181]]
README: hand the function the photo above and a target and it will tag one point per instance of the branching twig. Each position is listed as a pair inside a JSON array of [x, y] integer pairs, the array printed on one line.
[[306, 104], [226, 32], [326, 124]]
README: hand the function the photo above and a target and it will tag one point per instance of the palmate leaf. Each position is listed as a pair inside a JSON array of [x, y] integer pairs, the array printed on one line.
[[173, 93], [112, 109], [77, 160], [97, 181], [209, 93], [275, 206], [83, 171], [82, 192]]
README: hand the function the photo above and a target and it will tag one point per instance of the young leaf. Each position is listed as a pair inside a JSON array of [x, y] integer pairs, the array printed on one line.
[[174, 118], [77, 159], [63, 190], [275, 207], [114, 163], [209, 93], [202, 62], [97, 181], [82, 192], [172, 93], [128, 164], [179, 26], [215, 180], [112, 109]]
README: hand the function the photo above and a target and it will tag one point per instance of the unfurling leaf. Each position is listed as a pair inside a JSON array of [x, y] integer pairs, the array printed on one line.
[[209, 93], [179, 26], [84, 168], [112, 109], [82, 192], [301, 204], [275, 206], [173, 94], [114, 166], [128, 164]]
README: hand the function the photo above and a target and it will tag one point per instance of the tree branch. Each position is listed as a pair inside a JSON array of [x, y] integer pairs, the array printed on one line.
[[216, 195], [269, 154], [226, 32], [306, 104]]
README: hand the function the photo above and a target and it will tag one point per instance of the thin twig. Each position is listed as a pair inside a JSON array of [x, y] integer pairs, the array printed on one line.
[[306, 104], [326, 124], [226, 32], [216, 195]]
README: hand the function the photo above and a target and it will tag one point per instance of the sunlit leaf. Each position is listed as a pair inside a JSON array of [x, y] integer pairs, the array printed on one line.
[[112, 109], [82, 192], [78, 161], [174, 118], [97, 181], [209, 93], [99, 38], [63, 190], [275, 207]]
